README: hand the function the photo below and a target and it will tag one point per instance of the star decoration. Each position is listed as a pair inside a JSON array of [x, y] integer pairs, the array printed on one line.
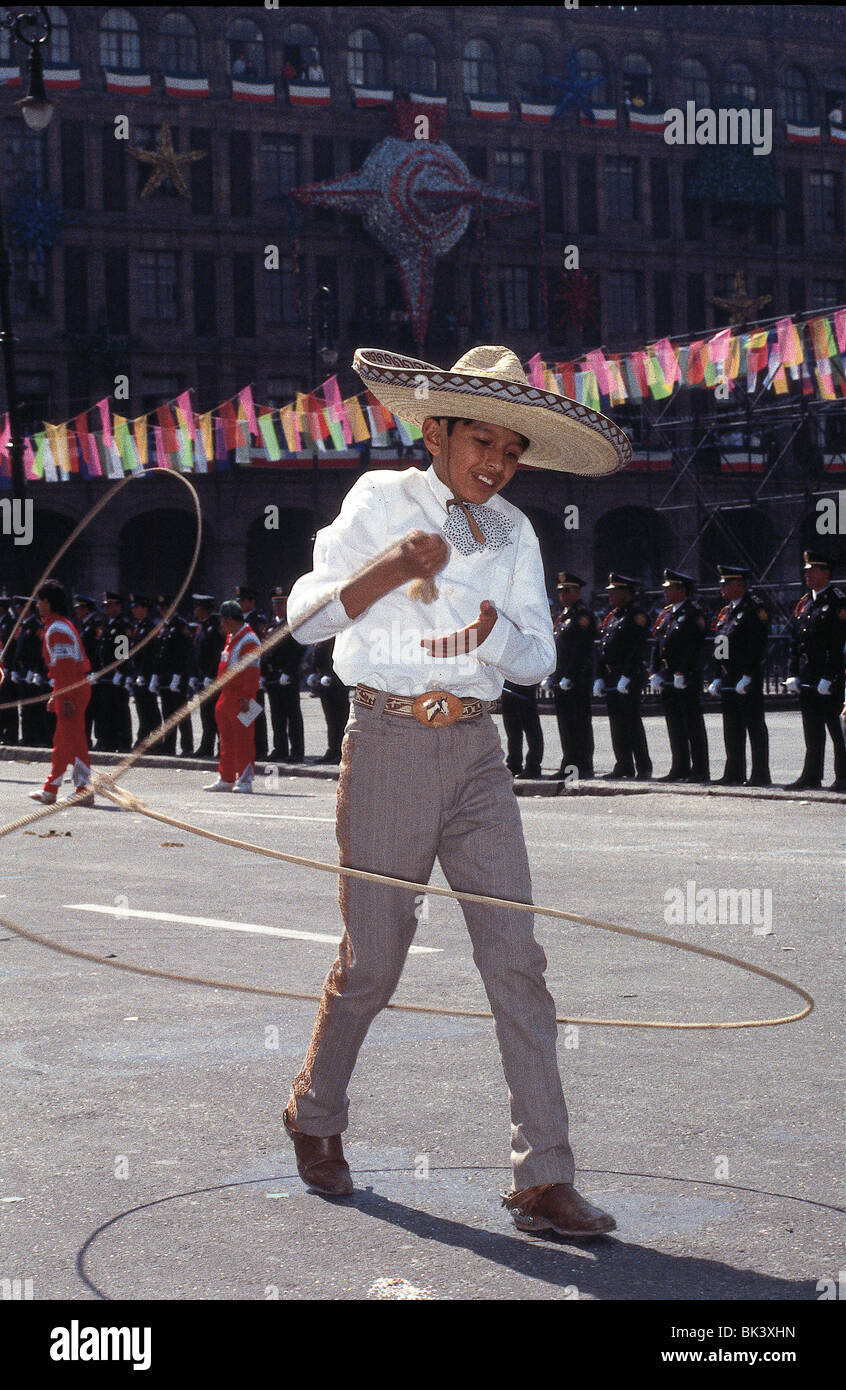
[[740, 306], [36, 219], [575, 90], [166, 163], [416, 198]]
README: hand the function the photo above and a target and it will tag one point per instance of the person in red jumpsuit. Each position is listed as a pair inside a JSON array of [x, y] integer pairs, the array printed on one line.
[[67, 663], [237, 739]]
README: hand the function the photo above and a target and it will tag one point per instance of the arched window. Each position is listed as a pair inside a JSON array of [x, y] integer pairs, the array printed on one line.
[[479, 69], [529, 71], [794, 96], [300, 51], [637, 80], [592, 68], [419, 64], [835, 96], [58, 46], [738, 83], [179, 50], [120, 44], [246, 50], [693, 84], [365, 59]]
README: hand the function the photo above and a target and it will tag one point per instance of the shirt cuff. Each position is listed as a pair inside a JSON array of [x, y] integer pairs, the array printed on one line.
[[490, 651], [329, 620]]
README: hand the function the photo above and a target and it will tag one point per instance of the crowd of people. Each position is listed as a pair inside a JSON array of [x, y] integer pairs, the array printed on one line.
[[617, 657]]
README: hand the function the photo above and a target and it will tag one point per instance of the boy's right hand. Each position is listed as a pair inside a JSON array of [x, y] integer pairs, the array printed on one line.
[[422, 554]]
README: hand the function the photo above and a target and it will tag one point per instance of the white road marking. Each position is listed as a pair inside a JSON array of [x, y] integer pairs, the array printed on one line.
[[256, 928], [258, 815]]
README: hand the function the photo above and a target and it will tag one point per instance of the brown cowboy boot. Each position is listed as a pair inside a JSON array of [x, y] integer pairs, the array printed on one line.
[[557, 1206], [320, 1161]]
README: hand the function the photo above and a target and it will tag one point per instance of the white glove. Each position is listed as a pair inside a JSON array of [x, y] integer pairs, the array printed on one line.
[[313, 680], [743, 685], [656, 684], [128, 682], [598, 688], [117, 678], [623, 685], [91, 678], [715, 687], [284, 680], [207, 681], [565, 683], [262, 684], [154, 683], [547, 683], [824, 687], [175, 684], [194, 684], [140, 682], [30, 677], [325, 680], [679, 682], [792, 685]]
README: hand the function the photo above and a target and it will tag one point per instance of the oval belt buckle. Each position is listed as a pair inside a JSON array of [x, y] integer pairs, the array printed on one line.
[[437, 708]]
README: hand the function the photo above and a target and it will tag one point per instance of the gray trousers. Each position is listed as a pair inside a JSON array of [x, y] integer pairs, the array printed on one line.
[[406, 795]]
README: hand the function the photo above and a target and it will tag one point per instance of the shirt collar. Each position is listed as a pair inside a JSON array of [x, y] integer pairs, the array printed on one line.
[[444, 493]]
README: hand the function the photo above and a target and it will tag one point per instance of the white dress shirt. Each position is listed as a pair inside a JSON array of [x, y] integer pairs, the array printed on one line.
[[382, 646]]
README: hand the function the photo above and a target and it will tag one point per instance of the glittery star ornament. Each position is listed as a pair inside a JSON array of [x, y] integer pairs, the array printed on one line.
[[575, 90], [416, 198], [740, 306], [167, 164]]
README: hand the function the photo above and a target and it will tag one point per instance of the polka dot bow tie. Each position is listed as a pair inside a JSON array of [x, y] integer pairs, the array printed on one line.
[[471, 527]]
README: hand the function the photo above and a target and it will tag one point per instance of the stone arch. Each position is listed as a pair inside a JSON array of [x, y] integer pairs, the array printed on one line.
[[279, 556], [736, 535], [21, 566], [633, 540], [155, 548]]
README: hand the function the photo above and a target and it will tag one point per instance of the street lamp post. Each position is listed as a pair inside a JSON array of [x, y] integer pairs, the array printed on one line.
[[320, 345], [32, 28]]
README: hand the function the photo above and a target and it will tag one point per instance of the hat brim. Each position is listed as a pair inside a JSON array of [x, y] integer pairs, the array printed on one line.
[[563, 434]]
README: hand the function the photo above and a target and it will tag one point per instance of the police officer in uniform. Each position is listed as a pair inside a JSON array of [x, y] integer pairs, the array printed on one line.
[[281, 674], [334, 697], [37, 724], [741, 630], [113, 723], [8, 700], [88, 625], [172, 664], [621, 675], [208, 646], [143, 667], [248, 597], [520, 716], [575, 634], [680, 630], [816, 670]]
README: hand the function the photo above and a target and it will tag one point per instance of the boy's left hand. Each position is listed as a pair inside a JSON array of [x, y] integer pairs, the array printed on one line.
[[467, 639]]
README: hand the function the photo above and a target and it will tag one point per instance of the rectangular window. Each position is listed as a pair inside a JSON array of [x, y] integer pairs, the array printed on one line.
[[114, 171], [587, 194], [511, 171], [624, 316], [278, 294], [794, 219], [72, 146], [691, 209], [278, 167], [76, 289], [117, 289], [157, 286], [796, 296], [826, 198], [24, 154], [518, 297], [201, 179], [696, 302], [244, 294], [205, 295], [825, 294], [476, 159], [659, 188], [553, 192], [621, 193], [240, 173], [663, 303], [31, 282]]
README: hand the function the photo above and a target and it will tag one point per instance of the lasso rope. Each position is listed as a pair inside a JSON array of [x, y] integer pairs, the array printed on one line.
[[106, 785]]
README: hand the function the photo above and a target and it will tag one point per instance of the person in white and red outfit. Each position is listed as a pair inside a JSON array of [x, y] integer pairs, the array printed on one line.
[[67, 663], [237, 740]]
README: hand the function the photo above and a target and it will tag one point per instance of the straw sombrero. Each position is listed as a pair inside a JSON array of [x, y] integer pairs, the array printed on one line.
[[489, 384]]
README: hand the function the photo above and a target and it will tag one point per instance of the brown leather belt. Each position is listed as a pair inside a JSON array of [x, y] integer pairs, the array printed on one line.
[[434, 708]]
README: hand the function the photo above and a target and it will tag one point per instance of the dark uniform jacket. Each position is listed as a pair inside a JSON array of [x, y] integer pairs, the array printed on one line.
[[112, 629], [575, 634], [819, 633], [679, 641], [622, 644], [284, 659], [173, 652], [208, 646], [90, 634], [29, 655], [746, 628], [144, 662]]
